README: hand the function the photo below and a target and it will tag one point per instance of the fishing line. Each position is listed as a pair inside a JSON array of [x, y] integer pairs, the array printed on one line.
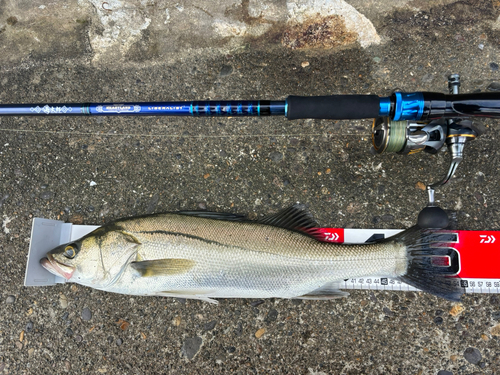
[[76, 133]]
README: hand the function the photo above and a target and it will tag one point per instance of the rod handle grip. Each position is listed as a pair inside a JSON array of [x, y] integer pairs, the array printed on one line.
[[335, 107]]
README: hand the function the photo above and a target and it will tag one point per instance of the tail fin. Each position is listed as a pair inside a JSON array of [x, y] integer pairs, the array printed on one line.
[[424, 247]]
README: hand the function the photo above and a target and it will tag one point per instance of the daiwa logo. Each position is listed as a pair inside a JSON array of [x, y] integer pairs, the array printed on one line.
[[331, 236], [487, 239]]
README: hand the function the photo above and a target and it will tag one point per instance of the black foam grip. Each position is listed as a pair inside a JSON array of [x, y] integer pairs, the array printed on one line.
[[338, 107]]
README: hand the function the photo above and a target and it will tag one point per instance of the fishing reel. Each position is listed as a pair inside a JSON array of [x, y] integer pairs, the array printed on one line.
[[409, 137]]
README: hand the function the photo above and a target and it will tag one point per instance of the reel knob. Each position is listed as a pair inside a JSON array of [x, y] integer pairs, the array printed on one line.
[[433, 217]]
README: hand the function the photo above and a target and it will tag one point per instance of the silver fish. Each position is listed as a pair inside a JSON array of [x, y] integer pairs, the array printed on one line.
[[206, 255]]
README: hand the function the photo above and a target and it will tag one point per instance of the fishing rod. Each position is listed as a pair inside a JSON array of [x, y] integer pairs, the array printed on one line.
[[405, 122]]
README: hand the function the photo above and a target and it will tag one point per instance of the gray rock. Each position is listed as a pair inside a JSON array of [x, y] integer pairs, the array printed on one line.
[[272, 316], [46, 195], [10, 299], [494, 66], [444, 372], [276, 156], [256, 302], [119, 342], [86, 314], [388, 311], [29, 327], [438, 320], [191, 347], [493, 86], [387, 217], [238, 331], [153, 203], [472, 355], [210, 325], [226, 70], [428, 78]]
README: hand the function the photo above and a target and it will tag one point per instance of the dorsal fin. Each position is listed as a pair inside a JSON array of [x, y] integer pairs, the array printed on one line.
[[214, 215], [296, 217]]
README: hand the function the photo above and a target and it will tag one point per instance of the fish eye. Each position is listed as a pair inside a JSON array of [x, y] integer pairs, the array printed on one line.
[[69, 252]]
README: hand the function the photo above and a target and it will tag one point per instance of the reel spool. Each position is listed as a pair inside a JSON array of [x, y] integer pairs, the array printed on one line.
[[407, 137]]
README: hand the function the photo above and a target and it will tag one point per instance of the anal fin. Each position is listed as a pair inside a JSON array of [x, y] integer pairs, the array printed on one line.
[[328, 291], [188, 294]]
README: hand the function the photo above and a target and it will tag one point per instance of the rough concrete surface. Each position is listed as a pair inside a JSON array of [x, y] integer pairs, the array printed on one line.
[[93, 170]]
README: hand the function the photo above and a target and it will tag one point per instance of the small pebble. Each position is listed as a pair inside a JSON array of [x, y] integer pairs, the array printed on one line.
[[256, 302], [63, 301], [457, 309], [388, 312], [10, 299], [495, 330], [495, 315], [78, 338], [276, 156], [444, 372], [226, 70], [67, 365], [438, 320], [46, 195], [231, 349], [238, 331], [260, 332], [210, 325], [86, 314], [494, 66], [30, 352], [191, 346], [305, 64], [177, 321], [272, 316], [387, 217], [481, 46], [29, 327], [69, 332], [119, 342], [493, 86], [65, 316], [472, 355], [76, 219]]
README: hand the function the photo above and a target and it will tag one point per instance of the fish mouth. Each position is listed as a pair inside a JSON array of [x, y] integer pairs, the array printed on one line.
[[56, 268]]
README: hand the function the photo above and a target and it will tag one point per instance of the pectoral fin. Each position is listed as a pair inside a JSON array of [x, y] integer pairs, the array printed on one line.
[[327, 291], [162, 267]]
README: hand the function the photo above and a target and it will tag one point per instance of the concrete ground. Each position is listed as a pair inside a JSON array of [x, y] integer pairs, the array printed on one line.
[[91, 51]]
